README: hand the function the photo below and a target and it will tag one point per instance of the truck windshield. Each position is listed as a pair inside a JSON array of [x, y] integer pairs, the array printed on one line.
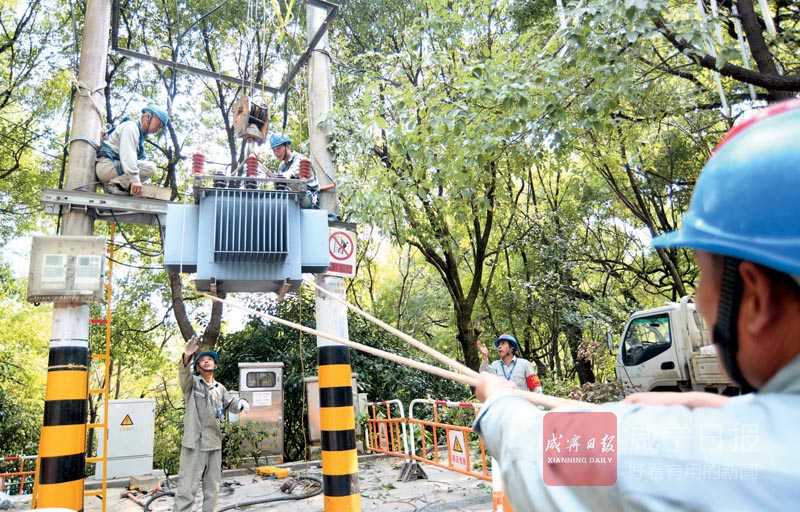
[[646, 338]]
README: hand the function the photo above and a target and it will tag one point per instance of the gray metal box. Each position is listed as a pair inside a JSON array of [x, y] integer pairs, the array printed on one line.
[[243, 240], [180, 239], [314, 420], [131, 427], [261, 384], [314, 255], [66, 269]]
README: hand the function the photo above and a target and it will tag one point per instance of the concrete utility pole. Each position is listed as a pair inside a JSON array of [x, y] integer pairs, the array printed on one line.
[[62, 445], [337, 415], [320, 102]]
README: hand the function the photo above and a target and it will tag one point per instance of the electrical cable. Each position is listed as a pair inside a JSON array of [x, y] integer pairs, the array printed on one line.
[[303, 374], [130, 244], [288, 497]]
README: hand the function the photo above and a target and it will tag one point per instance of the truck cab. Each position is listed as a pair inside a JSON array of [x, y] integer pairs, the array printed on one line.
[[668, 349]]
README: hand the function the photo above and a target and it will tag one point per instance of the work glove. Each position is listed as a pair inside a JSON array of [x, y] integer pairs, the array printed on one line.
[[243, 405], [191, 346]]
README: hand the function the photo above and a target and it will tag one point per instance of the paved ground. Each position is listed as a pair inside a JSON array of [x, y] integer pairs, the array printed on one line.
[[380, 491]]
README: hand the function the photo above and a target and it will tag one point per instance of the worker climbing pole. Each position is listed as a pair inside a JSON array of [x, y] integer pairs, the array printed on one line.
[[337, 415], [62, 452]]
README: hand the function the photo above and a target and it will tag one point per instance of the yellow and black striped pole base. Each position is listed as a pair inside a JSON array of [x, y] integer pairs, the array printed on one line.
[[62, 444], [337, 423]]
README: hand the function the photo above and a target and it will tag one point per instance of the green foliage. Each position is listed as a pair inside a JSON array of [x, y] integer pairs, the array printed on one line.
[[241, 442], [380, 379], [168, 428], [22, 356], [516, 168]]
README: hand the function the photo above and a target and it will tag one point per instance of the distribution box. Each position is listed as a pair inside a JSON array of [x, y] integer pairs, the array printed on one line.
[[66, 269], [131, 426]]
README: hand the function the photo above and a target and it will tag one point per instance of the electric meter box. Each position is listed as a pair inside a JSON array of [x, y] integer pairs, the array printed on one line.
[[261, 384], [66, 269]]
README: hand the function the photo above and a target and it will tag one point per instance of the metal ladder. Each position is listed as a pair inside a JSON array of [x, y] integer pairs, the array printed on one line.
[[103, 391]]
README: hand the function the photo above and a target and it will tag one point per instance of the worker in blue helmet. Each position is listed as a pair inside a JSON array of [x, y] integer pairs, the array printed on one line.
[[511, 367], [695, 451], [206, 402], [293, 167], [122, 165]]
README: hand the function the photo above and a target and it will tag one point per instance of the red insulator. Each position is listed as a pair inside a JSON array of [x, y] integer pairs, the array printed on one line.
[[305, 169], [198, 163], [252, 165]]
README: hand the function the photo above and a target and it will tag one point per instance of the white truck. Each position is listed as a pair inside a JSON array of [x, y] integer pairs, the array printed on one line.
[[668, 349]]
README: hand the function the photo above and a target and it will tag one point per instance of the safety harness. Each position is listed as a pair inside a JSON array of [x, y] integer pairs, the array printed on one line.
[[105, 151]]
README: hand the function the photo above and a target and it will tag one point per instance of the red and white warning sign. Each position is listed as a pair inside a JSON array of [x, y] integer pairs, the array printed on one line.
[[342, 250]]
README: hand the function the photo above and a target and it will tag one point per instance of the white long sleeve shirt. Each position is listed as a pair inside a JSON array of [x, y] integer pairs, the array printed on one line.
[[124, 141], [517, 371]]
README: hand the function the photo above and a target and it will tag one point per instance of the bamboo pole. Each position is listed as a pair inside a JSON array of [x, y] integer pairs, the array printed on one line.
[[543, 400]]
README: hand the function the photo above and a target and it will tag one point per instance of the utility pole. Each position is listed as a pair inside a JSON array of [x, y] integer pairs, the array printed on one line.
[[337, 415], [62, 445]]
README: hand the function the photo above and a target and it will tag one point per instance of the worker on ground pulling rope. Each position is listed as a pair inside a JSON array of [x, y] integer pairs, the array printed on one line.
[[509, 366], [207, 401], [290, 168], [121, 161], [693, 451]]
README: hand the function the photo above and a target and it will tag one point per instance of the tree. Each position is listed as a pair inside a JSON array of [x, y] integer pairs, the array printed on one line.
[[22, 355], [445, 138], [262, 341]]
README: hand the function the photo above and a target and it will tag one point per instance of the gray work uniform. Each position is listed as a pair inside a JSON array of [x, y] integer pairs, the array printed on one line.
[[201, 449]]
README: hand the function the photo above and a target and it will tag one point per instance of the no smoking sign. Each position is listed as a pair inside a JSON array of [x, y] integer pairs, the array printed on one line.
[[342, 251]]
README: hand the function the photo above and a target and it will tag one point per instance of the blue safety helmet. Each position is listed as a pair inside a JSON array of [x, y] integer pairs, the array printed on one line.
[[507, 337], [276, 140], [160, 114], [206, 353], [745, 204]]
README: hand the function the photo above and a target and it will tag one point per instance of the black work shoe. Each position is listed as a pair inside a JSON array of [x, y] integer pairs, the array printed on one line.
[[115, 189]]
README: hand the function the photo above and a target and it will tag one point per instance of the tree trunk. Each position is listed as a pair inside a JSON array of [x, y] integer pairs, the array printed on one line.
[[574, 335]]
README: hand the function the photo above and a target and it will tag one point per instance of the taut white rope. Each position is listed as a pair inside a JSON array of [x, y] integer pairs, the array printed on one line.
[[452, 363], [535, 398]]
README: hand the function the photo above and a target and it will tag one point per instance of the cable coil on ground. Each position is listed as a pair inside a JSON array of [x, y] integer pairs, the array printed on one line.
[[287, 497]]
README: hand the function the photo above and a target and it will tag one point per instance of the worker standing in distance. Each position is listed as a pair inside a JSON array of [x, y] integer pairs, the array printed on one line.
[[509, 366], [207, 401], [292, 167], [121, 161], [725, 454]]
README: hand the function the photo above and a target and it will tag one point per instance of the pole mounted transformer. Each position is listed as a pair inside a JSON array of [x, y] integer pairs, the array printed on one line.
[[246, 240]]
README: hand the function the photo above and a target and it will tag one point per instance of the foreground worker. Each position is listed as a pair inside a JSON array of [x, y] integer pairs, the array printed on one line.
[[290, 168], [207, 401], [121, 161], [741, 453], [509, 366]]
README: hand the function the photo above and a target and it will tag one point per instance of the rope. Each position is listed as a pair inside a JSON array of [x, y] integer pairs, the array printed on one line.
[[303, 375], [535, 398], [452, 363], [82, 91]]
